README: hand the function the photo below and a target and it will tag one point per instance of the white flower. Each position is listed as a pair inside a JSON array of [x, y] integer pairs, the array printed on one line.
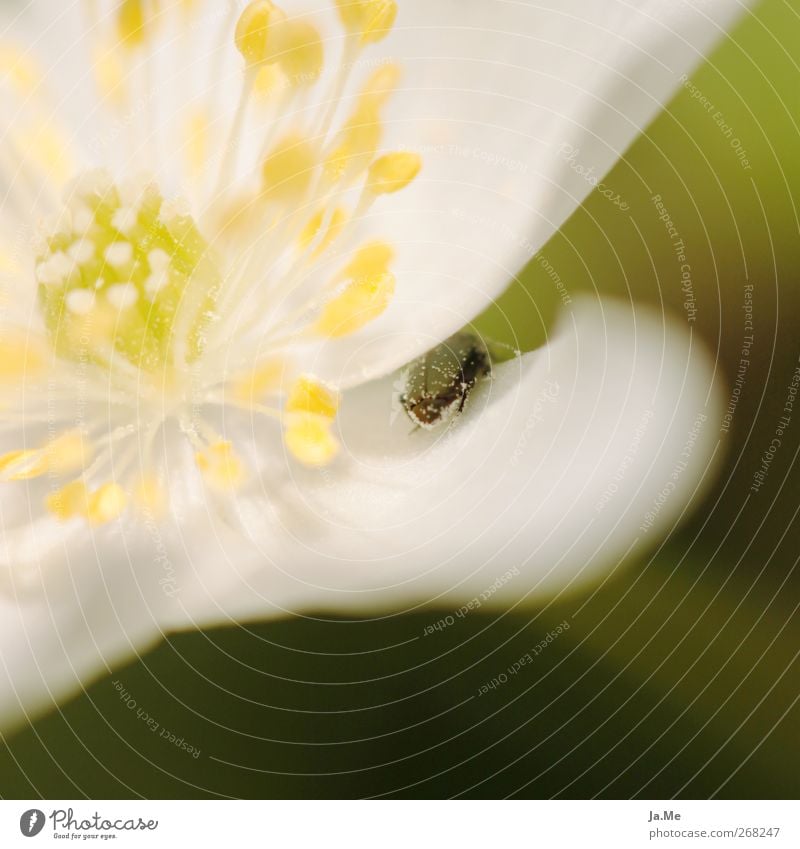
[[328, 192]]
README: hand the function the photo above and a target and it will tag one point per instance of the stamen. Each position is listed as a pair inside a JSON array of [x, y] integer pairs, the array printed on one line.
[[220, 467], [356, 144], [265, 378], [67, 453], [69, 502], [151, 498], [131, 23], [106, 504], [309, 439], [110, 74], [393, 172], [20, 357], [255, 31], [197, 143], [322, 230], [302, 55], [371, 20], [127, 281], [288, 169], [268, 80], [45, 147], [22, 465], [371, 259], [382, 83], [255, 40], [309, 396], [361, 302], [19, 69]]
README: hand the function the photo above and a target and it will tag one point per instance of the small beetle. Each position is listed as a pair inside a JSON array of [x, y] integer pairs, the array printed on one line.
[[434, 388]]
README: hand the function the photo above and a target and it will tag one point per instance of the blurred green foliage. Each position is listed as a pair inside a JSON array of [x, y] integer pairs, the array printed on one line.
[[677, 677]]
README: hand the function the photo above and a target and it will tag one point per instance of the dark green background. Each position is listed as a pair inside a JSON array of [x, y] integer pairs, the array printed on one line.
[[679, 677]]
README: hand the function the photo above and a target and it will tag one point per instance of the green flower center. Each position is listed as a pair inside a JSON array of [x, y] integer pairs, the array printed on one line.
[[126, 274]]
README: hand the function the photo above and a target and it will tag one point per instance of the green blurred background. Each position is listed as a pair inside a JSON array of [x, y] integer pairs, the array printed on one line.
[[679, 677]]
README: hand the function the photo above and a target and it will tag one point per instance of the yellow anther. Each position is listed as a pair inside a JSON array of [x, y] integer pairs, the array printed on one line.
[[19, 69], [268, 80], [220, 466], [68, 502], [150, 497], [22, 465], [110, 74], [262, 380], [312, 397], [368, 261], [9, 264], [360, 302], [67, 453], [350, 13], [106, 504], [19, 359], [288, 169], [356, 143], [255, 37], [393, 172], [371, 19], [381, 84], [234, 214], [197, 142], [45, 145], [64, 454], [301, 53], [309, 439], [338, 219], [132, 23]]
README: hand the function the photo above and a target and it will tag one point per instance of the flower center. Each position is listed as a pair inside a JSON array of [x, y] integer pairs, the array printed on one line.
[[126, 275], [129, 286]]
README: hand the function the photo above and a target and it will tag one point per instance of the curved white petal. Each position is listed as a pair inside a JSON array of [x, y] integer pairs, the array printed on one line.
[[551, 473], [572, 458], [499, 96], [80, 605], [517, 107], [493, 92]]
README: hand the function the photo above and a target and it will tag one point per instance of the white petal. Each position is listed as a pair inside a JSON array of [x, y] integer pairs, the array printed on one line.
[[523, 482], [73, 613], [552, 472], [496, 96], [518, 108]]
